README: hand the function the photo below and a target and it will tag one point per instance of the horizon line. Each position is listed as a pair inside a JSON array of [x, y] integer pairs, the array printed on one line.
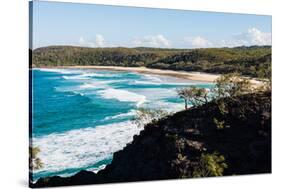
[[109, 47]]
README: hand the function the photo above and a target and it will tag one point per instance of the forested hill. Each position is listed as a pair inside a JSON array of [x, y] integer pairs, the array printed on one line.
[[253, 61]]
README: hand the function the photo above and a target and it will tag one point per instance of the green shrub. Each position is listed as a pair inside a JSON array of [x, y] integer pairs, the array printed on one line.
[[219, 124], [35, 162], [210, 165]]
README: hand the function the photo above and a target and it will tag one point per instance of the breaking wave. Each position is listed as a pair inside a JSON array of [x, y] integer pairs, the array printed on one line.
[[82, 148]]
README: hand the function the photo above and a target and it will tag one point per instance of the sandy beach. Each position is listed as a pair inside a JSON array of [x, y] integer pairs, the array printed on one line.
[[195, 76]]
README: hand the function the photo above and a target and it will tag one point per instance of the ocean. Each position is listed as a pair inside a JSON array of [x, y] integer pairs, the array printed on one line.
[[82, 116]]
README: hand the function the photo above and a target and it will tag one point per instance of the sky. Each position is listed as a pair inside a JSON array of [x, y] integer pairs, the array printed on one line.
[[91, 25]]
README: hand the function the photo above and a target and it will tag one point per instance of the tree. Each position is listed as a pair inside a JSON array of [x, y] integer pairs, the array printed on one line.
[[227, 85], [230, 85], [35, 162], [145, 116], [196, 96]]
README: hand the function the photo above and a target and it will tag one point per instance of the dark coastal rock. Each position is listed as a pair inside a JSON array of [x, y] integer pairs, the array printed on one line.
[[171, 148]]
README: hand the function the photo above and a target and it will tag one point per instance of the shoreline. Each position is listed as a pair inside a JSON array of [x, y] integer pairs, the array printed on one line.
[[194, 76]]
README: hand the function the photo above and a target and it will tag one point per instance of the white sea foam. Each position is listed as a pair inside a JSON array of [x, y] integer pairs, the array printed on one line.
[[87, 75], [124, 115], [157, 98], [83, 147], [75, 77], [83, 74], [162, 83], [95, 170], [87, 86], [93, 74], [145, 83], [122, 95], [93, 84], [166, 80], [62, 71], [152, 78], [154, 94], [170, 107], [78, 93]]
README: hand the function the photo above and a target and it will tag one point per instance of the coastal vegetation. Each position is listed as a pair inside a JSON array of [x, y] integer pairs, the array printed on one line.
[[210, 165], [227, 85], [193, 95], [227, 133], [35, 162], [254, 61], [146, 115]]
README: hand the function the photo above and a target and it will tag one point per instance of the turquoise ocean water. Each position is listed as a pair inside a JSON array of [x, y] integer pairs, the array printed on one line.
[[82, 116]]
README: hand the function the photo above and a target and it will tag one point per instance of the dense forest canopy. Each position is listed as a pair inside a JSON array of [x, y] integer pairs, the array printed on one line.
[[253, 61]]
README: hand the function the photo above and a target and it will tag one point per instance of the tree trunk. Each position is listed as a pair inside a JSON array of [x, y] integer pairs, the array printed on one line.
[[185, 106]]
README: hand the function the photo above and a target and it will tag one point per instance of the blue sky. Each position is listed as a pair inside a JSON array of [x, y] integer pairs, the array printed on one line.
[[110, 26]]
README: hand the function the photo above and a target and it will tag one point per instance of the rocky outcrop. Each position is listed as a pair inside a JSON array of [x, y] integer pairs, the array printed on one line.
[[236, 131]]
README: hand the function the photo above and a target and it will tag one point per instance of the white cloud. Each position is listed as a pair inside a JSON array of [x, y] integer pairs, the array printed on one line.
[[81, 40], [200, 42], [257, 37], [99, 41], [152, 41], [252, 36], [85, 43]]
